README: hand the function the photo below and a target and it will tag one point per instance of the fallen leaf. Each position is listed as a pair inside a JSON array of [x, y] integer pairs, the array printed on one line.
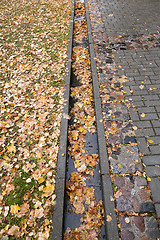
[[14, 209], [143, 115], [150, 141], [109, 218], [127, 220], [14, 230]]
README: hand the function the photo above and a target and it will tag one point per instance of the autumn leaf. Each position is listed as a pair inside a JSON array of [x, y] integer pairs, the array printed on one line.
[[150, 141], [14, 209], [109, 218], [11, 149], [48, 190], [143, 115], [41, 180], [14, 231]]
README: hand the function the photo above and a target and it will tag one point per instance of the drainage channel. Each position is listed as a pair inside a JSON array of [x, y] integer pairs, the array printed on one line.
[[82, 168], [83, 210]]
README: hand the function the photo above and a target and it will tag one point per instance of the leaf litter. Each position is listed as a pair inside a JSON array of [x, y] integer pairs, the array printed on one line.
[[81, 197], [33, 55]]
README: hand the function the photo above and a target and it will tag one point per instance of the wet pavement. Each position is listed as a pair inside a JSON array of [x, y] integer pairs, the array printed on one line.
[[127, 46]]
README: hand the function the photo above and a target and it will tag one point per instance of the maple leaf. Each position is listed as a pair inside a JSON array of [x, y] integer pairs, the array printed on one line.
[[48, 190], [14, 209]]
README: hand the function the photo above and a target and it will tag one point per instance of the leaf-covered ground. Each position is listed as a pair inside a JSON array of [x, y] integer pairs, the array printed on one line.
[[34, 37]]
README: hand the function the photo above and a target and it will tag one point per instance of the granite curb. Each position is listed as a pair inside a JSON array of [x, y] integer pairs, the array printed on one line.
[[110, 226], [58, 215]]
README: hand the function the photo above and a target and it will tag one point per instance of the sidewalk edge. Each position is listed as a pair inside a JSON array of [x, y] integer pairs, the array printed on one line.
[[58, 215]]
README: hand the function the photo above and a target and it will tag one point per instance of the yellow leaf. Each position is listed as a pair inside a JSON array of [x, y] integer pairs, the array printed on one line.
[[48, 190], [46, 222], [101, 120], [143, 115], [109, 218], [11, 149], [150, 141], [15, 209], [148, 179], [82, 130], [41, 180]]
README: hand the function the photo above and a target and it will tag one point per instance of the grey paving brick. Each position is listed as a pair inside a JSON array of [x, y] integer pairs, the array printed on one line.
[[146, 109], [145, 132], [142, 124], [139, 104], [149, 116], [142, 144], [153, 171], [140, 92], [155, 149], [157, 108], [155, 189], [151, 160], [151, 103], [157, 131], [133, 114], [157, 206], [156, 123], [150, 97], [156, 140]]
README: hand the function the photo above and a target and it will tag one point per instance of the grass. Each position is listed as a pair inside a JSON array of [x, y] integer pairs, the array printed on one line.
[[33, 55]]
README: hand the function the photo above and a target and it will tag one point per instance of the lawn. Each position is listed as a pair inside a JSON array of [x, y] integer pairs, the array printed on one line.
[[33, 49]]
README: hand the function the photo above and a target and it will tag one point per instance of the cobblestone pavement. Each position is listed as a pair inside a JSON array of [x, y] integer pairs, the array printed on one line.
[[127, 45]]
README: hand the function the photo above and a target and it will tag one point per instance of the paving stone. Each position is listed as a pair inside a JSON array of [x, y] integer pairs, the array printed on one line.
[[155, 189], [139, 228], [139, 222], [126, 234], [142, 145], [153, 171], [157, 206], [146, 109], [156, 123], [145, 132], [157, 131], [144, 124], [133, 114], [125, 160], [115, 112], [151, 160], [132, 196], [155, 149], [119, 132], [149, 116], [156, 140]]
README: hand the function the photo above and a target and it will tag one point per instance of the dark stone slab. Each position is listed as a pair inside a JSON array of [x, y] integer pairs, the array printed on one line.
[[109, 206]]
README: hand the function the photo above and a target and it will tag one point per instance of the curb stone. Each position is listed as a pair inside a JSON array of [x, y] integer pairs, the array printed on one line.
[[58, 216], [110, 226]]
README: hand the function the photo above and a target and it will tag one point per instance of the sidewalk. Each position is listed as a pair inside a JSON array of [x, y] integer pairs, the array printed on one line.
[[127, 44]]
